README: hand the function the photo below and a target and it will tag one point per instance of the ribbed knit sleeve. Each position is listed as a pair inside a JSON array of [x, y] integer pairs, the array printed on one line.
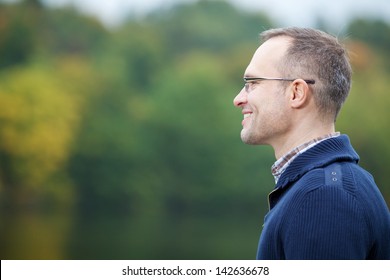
[[328, 224]]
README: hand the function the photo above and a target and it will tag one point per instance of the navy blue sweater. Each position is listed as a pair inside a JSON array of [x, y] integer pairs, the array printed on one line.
[[325, 206]]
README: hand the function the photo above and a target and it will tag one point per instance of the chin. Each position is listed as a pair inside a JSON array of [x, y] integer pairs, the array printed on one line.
[[249, 138]]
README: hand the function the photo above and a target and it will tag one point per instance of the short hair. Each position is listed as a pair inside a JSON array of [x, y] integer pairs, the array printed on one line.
[[314, 54]]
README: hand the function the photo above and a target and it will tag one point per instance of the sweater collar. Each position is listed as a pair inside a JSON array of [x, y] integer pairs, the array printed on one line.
[[328, 151], [281, 164]]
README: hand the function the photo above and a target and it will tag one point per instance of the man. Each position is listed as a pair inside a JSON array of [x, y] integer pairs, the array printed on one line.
[[324, 206]]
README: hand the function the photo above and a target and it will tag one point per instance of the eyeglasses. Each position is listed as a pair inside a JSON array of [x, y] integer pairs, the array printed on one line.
[[250, 80]]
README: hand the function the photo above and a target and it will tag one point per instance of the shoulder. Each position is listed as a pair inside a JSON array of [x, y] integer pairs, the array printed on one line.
[[344, 179], [341, 189], [338, 186]]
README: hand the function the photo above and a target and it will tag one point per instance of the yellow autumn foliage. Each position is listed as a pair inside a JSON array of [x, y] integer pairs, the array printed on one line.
[[39, 115]]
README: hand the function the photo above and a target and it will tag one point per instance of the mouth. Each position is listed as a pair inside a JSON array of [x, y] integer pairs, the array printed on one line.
[[247, 115]]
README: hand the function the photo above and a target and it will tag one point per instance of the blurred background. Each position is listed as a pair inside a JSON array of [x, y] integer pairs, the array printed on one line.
[[118, 136]]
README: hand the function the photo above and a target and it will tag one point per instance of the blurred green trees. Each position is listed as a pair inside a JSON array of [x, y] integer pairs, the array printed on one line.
[[124, 144]]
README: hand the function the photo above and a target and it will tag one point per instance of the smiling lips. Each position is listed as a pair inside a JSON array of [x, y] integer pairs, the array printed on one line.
[[246, 116]]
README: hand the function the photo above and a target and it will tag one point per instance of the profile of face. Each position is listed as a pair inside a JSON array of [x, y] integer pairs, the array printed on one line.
[[264, 104]]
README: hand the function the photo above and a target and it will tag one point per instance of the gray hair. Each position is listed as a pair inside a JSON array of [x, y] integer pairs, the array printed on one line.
[[314, 54]]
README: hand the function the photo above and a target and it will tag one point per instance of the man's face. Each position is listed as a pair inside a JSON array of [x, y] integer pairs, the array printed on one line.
[[264, 103]]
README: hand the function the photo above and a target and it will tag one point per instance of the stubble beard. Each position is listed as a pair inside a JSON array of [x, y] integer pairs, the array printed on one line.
[[259, 134], [248, 137], [251, 135]]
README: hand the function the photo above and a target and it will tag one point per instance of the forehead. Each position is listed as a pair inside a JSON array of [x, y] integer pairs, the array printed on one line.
[[267, 56]]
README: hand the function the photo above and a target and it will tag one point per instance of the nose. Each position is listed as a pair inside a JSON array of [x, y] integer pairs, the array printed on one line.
[[241, 98]]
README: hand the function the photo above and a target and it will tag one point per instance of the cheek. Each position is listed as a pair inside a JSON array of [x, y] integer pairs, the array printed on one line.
[[271, 111], [267, 101], [263, 105]]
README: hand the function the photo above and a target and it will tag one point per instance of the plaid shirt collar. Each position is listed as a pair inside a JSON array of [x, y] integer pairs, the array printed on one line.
[[281, 164]]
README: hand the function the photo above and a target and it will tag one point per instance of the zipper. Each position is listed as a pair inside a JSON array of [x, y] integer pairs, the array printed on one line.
[[269, 204], [269, 197]]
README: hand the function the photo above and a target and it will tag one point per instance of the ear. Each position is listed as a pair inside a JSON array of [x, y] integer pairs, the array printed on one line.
[[300, 94]]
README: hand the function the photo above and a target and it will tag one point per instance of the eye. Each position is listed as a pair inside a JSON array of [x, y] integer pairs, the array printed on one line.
[[249, 86]]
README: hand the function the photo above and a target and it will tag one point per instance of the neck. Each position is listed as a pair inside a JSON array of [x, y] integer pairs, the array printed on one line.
[[299, 136]]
